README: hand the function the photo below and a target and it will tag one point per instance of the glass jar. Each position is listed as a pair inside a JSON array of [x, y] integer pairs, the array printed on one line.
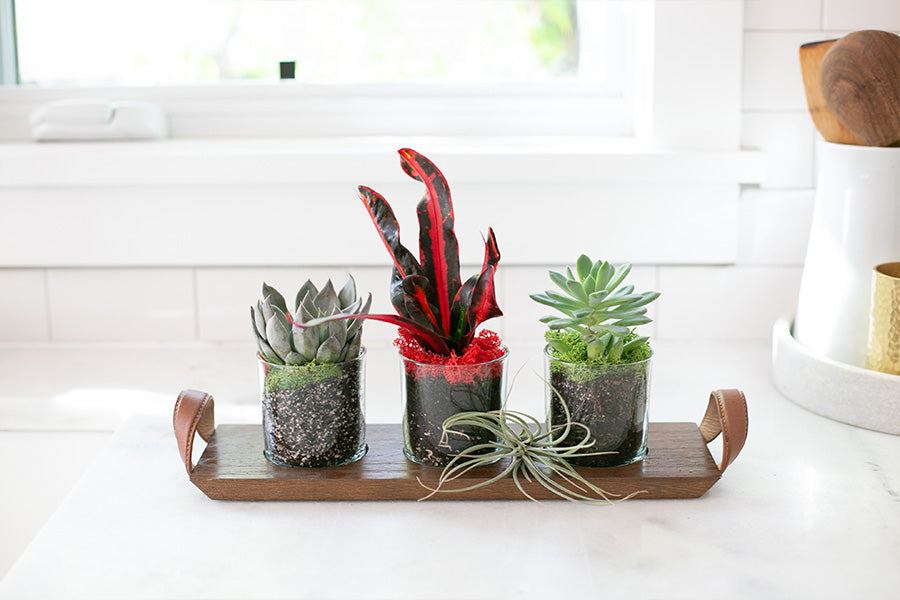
[[314, 415], [433, 393], [610, 400]]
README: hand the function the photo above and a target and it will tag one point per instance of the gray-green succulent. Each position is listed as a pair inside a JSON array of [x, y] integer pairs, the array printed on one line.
[[598, 307], [282, 342]]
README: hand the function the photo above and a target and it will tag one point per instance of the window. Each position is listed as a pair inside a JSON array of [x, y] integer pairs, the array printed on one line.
[[363, 67]]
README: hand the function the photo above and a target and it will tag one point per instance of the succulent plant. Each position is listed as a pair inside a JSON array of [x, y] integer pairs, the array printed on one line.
[[433, 305], [282, 340], [598, 307]]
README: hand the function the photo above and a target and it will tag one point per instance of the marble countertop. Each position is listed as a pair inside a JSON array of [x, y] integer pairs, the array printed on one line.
[[811, 508]]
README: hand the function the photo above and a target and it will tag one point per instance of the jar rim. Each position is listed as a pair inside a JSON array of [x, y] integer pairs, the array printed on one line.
[[625, 364], [357, 358], [489, 362]]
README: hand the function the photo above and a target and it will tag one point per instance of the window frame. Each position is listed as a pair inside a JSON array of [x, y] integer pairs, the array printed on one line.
[[688, 97], [294, 109], [9, 64]]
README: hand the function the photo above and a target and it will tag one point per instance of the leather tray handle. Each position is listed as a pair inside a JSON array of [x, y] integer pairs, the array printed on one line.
[[194, 414], [726, 413]]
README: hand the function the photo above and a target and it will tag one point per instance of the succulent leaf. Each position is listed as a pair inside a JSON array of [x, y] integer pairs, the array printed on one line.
[[560, 280], [307, 288], [294, 358], [267, 353], [278, 336], [583, 265], [274, 297], [347, 295], [306, 342], [576, 290], [265, 309], [329, 351], [326, 300], [338, 330], [258, 323]]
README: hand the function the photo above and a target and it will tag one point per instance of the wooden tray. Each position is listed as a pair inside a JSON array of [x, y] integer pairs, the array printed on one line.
[[232, 467]]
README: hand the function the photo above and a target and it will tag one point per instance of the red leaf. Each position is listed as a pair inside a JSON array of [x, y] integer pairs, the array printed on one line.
[[416, 303], [484, 303], [491, 251], [427, 338], [389, 229], [438, 247]]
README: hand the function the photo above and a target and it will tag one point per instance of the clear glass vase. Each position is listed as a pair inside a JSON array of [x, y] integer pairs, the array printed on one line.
[[610, 400], [433, 393], [314, 416]]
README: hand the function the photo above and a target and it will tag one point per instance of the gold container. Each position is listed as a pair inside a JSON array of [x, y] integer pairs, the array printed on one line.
[[883, 352]]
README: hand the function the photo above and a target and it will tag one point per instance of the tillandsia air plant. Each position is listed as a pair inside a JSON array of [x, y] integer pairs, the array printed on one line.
[[282, 337], [597, 309], [311, 378], [535, 456]]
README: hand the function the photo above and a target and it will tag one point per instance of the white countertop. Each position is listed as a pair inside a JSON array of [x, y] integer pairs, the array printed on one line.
[[810, 509]]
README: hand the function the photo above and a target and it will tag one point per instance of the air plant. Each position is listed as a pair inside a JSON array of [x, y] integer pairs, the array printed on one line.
[[535, 456], [433, 306]]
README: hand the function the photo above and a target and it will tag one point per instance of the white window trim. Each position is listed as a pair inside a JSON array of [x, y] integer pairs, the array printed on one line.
[[294, 109], [689, 100]]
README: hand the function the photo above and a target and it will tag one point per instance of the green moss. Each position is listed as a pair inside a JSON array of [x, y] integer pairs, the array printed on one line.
[[575, 366], [579, 354], [290, 377]]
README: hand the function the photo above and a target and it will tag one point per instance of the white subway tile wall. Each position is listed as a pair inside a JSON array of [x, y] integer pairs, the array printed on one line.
[[778, 15], [23, 306], [121, 305], [788, 138], [730, 303], [738, 296], [861, 14], [774, 226]]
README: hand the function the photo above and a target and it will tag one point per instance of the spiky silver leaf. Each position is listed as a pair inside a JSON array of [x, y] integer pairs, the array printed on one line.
[[281, 342], [307, 289], [347, 294], [306, 342], [278, 335], [274, 297], [329, 351]]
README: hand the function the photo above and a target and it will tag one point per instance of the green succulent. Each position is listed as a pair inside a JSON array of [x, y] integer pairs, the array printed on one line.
[[596, 305], [282, 342]]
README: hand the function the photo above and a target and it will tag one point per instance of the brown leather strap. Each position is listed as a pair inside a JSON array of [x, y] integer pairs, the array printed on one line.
[[193, 414], [726, 413]]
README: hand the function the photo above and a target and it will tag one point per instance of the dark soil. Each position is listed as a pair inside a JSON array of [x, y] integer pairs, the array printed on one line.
[[613, 407], [430, 400], [317, 423]]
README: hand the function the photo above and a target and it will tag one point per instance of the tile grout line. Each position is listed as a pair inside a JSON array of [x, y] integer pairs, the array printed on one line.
[[196, 302], [48, 310]]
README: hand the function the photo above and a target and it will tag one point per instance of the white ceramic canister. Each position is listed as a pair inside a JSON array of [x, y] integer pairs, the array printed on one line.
[[856, 225]]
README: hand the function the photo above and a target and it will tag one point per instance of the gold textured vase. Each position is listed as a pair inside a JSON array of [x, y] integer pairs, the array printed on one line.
[[883, 352]]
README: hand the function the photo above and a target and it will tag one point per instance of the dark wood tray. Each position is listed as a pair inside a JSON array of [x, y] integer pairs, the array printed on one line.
[[232, 467]]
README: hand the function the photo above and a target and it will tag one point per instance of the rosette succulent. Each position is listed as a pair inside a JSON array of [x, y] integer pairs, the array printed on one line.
[[598, 308], [283, 338]]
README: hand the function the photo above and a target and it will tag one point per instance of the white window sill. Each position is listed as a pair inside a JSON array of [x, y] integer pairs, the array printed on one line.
[[187, 202], [367, 160]]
